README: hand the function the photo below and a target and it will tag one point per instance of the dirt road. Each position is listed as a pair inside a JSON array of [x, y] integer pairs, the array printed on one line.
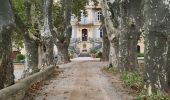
[[81, 80]]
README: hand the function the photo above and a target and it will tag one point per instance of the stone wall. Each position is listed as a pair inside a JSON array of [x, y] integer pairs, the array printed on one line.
[[17, 91]]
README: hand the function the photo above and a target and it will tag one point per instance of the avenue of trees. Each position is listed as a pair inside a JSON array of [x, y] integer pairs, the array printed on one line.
[[125, 21], [43, 24]]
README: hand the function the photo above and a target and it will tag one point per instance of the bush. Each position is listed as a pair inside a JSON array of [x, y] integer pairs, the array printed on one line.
[[136, 82], [93, 51], [140, 54], [99, 55], [20, 57], [155, 96], [133, 80]]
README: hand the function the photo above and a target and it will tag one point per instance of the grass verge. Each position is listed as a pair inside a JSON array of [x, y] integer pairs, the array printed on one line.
[[135, 82]]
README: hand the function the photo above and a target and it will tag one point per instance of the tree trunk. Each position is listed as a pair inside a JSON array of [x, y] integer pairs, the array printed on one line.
[[31, 45], [112, 26], [132, 54], [155, 62], [130, 25], [168, 61], [46, 57], [31, 61], [128, 50], [123, 50], [63, 56], [49, 52], [6, 64], [63, 35], [114, 53], [123, 37], [156, 14], [106, 46], [46, 34]]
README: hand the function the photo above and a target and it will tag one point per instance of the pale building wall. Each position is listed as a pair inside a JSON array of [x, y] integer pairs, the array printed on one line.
[[141, 44], [90, 23]]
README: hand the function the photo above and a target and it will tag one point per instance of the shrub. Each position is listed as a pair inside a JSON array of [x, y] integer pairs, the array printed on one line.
[[20, 57], [155, 96], [133, 80], [140, 54], [93, 51], [99, 55]]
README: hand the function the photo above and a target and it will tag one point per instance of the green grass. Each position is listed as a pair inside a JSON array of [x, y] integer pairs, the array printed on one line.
[[111, 70], [155, 96], [133, 80], [140, 54]]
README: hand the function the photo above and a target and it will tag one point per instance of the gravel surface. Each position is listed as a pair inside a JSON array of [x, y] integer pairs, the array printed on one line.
[[79, 80]]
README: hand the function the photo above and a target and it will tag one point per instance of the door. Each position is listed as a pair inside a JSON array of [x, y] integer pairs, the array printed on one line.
[[84, 35]]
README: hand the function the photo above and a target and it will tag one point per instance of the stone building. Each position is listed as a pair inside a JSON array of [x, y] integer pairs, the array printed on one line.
[[86, 33]]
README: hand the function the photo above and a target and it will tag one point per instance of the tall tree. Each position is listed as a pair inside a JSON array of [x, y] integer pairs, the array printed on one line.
[[46, 34], [123, 24], [64, 30], [157, 25], [130, 24], [27, 24], [110, 12], [6, 26]]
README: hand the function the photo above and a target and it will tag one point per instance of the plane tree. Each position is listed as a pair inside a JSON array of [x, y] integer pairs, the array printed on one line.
[[156, 30], [123, 23], [7, 25], [27, 18]]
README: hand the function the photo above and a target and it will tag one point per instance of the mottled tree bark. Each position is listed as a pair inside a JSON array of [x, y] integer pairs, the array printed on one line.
[[62, 46], [31, 60], [155, 62], [63, 56], [49, 52], [168, 61], [106, 46], [156, 14], [114, 52], [46, 34], [6, 26], [31, 44], [130, 25], [112, 27], [65, 28]]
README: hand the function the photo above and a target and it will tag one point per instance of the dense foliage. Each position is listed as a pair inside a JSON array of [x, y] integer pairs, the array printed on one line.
[[20, 57]]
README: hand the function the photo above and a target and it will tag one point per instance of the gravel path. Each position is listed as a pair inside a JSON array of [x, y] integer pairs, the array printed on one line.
[[80, 80]]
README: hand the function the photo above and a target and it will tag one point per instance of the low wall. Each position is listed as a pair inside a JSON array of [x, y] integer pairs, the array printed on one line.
[[141, 60], [17, 91]]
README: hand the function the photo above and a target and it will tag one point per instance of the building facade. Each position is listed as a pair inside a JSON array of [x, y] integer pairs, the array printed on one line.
[[86, 33]]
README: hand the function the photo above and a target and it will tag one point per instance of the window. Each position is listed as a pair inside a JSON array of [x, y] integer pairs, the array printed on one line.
[[99, 15], [101, 33], [72, 18]]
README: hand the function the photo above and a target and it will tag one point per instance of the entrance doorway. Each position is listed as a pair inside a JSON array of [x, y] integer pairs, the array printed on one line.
[[138, 49], [84, 35]]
